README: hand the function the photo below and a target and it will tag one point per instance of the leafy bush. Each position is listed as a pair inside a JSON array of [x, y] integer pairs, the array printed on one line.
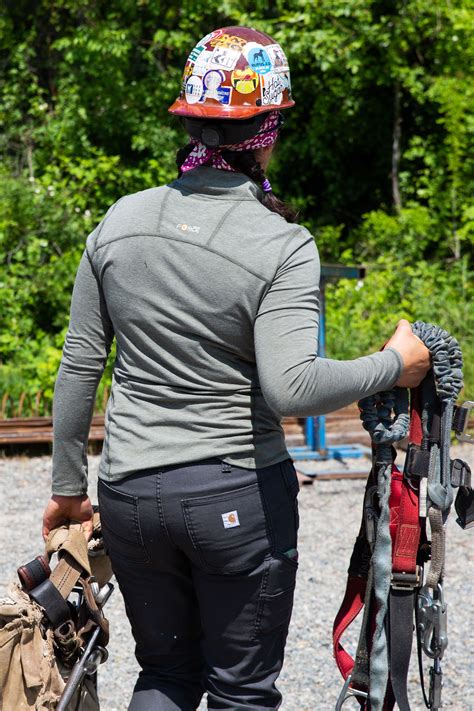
[[362, 315], [399, 284]]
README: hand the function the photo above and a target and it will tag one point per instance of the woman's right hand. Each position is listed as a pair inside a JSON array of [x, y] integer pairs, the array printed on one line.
[[414, 353]]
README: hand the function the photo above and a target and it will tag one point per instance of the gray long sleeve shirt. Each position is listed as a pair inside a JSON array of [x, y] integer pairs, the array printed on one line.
[[213, 302]]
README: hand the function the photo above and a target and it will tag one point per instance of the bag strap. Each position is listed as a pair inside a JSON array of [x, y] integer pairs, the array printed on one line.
[[70, 544]]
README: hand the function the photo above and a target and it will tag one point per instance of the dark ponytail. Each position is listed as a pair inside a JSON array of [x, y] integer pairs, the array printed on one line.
[[245, 162]]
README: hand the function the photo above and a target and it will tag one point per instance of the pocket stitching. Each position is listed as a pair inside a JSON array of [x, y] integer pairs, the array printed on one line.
[[119, 494], [236, 493], [205, 563], [120, 553], [287, 561], [133, 501], [187, 504], [261, 600]]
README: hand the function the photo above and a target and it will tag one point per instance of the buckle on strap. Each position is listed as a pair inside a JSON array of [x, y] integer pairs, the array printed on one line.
[[460, 424], [50, 599], [417, 462], [406, 581], [460, 473]]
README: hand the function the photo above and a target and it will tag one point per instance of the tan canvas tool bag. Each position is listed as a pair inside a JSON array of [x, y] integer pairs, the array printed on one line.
[[52, 627]]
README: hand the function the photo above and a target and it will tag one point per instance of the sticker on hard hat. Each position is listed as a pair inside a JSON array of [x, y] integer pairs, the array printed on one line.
[[213, 86], [212, 81], [188, 70], [224, 58], [245, 81], [286, 78], [272, 89], [278, 57], [228, 41], [223, 94], [258, 58], [210, 36], [195, 53], [194, 89], [201, 64]]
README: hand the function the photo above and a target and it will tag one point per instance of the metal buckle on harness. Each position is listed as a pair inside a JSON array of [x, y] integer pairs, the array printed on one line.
[[417, 462], [432, 622], [460, 473], [406, 581], [347, 692], [461, 421]]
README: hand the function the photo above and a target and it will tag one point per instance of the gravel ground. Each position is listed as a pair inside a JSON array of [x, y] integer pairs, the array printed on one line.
[[330, 516]]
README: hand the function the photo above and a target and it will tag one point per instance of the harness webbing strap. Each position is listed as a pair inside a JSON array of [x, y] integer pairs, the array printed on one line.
[[352, 604], [407, 537], [66, 574], [438, 546], [73, 564], [389, 560], [401, 608]]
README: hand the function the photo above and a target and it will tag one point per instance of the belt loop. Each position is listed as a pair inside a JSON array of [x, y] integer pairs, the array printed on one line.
[[226, 468]]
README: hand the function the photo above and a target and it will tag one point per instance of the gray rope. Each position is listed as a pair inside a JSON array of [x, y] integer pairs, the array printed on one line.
[[376, 416], [446, 357], [447, 366], [382, 570]]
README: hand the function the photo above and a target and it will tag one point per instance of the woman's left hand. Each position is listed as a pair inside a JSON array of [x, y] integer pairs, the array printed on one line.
[[63, 509]]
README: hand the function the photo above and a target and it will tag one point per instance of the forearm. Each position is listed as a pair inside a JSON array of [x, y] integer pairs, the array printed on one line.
[[74, 398], [323, 385]]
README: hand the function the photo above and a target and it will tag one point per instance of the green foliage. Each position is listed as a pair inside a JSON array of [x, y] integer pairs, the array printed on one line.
[[84, 91], [368, 310]]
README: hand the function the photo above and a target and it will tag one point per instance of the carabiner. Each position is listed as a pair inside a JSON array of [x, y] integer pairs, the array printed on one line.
[[347, 692], [432, 619]]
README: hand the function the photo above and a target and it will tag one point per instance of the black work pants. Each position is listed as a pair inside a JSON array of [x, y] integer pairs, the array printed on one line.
[[205, 556]]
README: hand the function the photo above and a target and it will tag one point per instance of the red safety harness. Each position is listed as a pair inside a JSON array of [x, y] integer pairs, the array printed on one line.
[[410, 550], [406, 530]]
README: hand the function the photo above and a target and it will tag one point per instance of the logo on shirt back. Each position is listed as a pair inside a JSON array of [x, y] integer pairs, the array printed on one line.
[[183, 227]]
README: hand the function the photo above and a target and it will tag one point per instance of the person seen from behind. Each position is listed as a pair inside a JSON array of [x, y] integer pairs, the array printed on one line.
[[210, 290]]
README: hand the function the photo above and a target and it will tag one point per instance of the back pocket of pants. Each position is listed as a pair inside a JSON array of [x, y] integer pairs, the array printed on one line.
[[120, 523], [228, 530]]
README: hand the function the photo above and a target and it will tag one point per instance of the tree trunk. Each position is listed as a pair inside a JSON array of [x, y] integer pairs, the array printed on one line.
[[396, 136]]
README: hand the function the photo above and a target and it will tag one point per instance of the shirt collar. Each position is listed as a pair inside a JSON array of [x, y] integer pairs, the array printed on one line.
[[223, 184]]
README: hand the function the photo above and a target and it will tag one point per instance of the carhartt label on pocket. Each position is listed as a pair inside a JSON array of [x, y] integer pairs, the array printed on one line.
[[230, 519]]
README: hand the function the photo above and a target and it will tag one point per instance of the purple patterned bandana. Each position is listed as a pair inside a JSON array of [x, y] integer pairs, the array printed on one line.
[[212, 157]]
